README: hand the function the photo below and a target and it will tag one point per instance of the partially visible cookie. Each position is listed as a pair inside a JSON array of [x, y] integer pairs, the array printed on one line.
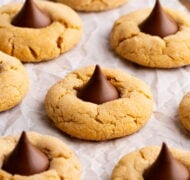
[[184, 111], [14, 81], [133, 44], [90, 121], [39, 44], [63, 164], [90, 5], [134, 165]]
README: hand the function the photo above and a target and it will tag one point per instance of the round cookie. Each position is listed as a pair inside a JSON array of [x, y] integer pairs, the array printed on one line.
[[133, 165], [35, 45], [90, 5], [63, 163], [184, 111], [89, 121], [152, 51], [14, 81]]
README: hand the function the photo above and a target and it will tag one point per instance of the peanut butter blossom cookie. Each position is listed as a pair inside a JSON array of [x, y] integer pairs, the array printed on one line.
[[37, 157], [153, 163], [38, 30], [14, 82], [91, 5], [158, 38], [184, 111], [95, 104]]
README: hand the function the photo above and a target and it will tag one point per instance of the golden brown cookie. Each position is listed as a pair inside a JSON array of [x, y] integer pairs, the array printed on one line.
[[89, 121], [35, 45], [148, 50], [91, 5], [184, 111], [14, 81], [63, 163], [133, 165]]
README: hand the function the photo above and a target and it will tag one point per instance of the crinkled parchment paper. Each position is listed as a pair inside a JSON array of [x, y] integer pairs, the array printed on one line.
[[98, 159]]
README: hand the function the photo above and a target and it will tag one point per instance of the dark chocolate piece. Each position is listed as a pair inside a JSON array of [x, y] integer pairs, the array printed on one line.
[[31, 16], [166, 167], [159, 23], [25, 159], [98, 89]]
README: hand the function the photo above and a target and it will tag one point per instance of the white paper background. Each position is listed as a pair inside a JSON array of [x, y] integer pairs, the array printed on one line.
[[98, 159]]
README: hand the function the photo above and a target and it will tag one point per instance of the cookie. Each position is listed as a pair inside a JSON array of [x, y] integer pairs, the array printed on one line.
[[133, 44], [134, 165], [184, 111], [14, 81], [39, 44], [63, 164], [97, 122], [89, 5]]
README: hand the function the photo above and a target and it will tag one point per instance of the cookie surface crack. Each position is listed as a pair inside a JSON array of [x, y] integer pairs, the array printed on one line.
[[33, 52], [125, 38]]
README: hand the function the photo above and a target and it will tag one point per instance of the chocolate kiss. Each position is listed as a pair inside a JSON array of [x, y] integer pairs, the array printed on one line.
[[159, 23], [25, 159], [98, 89], [166, 168], [31, 16]]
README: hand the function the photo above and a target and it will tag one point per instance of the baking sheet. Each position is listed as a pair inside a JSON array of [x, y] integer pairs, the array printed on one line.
[[98, 159]]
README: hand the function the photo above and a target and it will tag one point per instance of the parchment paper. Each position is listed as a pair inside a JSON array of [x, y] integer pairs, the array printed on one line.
[[98, 159]]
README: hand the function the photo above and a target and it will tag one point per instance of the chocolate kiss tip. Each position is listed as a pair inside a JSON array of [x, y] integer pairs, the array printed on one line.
[[158, 23], [30, 16], [166, 167], [98, 89], [25, 159]]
